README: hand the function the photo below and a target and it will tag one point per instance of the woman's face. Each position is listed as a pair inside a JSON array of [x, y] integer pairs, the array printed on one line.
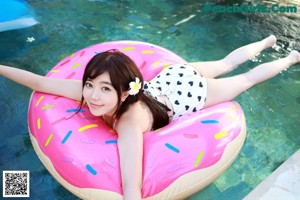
[[100, 95]]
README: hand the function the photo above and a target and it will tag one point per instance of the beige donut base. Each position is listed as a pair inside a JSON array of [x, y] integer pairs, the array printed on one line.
[[183, 187]]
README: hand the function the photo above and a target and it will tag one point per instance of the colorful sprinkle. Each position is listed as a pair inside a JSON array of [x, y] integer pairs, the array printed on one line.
[[112, 131], [72, 55], [131, 42], [57, 97], [111, 142], [67, 159], [48, 107], [174, 168], [91, 169], [186, 135], [76, 65], [128, 48], [65, 62], [55, 71], [39, 101], [172, 148], [152, 159], [147, 52], [233, 108], [199, 158], [110, 163], [166, 66], [39, 123], [66, 137], [58, 121], [87, 141], [232, 118], [90, 118], [143, 65], [221, 134], [75, 110], [209, 121], [87, 127], [70, 75], [81, 54], [157, 130], [48, 140], [155, 63]]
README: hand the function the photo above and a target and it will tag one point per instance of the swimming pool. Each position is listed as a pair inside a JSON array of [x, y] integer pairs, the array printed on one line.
[[65, 26]]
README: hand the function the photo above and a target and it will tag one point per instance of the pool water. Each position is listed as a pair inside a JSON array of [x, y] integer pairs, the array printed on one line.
[[271, 108]]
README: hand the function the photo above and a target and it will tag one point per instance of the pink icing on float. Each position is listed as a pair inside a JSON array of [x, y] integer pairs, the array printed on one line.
[[81, 152]]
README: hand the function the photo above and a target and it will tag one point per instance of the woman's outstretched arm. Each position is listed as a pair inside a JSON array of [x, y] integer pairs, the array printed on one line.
[[68, 88], [130, 128]]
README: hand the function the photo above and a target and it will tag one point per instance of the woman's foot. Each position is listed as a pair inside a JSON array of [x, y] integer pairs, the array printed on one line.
[[270, 41]]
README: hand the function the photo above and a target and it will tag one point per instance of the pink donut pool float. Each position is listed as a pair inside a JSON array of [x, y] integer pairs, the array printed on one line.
[[81, 152]]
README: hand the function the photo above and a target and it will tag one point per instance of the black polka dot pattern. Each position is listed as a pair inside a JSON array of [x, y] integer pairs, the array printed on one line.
[[183, 85]]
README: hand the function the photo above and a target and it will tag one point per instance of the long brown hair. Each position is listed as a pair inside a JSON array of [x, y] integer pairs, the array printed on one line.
[[122, 70]]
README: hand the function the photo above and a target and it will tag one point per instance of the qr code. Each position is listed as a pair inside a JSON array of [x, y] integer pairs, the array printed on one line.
[[15, 183]]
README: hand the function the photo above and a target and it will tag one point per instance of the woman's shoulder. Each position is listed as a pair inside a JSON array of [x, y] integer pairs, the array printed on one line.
[[137, 115]]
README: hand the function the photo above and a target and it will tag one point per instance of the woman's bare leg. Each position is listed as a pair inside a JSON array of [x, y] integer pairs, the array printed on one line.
[[212, 69], [226, 89]]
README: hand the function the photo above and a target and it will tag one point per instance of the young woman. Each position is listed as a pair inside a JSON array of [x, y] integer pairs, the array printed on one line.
[[113, 88]]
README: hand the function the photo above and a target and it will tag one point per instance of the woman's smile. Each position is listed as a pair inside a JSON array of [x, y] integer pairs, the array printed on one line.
[[93, 105]]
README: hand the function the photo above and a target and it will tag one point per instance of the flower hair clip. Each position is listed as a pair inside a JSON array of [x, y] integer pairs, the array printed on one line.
[[135, 86]]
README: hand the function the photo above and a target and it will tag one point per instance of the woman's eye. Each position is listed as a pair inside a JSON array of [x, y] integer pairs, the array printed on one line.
[[106, 89], [88, 85]]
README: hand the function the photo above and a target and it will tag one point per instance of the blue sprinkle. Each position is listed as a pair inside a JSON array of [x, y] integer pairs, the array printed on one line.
[[111, 142], [66, 137], [91, 169], [209, 121], [75, 110], [172, 147]]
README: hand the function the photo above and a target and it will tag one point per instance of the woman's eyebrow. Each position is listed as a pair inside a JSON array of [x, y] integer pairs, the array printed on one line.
[[100, 82], [105, 82]]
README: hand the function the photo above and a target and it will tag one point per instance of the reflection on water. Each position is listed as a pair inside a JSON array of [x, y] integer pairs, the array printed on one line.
[[271, 108]]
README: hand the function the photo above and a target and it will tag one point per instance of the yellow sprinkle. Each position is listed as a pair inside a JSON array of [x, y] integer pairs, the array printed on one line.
[[87, 127], [72, 55], [47, 107], [155, 63], [220, 135], [131, 42], [48, 140], [166, 66], [233, 108], [198, 160], [157, 130], [232, 118], [39, 123], [39, 101], [55, 71], [76, 65], [147, 52], [128, 48]]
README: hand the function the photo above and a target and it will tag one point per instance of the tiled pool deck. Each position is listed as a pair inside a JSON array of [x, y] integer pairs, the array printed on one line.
[[283, 183]]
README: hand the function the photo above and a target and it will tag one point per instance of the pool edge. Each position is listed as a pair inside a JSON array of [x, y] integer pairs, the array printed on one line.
[[283, 183]]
